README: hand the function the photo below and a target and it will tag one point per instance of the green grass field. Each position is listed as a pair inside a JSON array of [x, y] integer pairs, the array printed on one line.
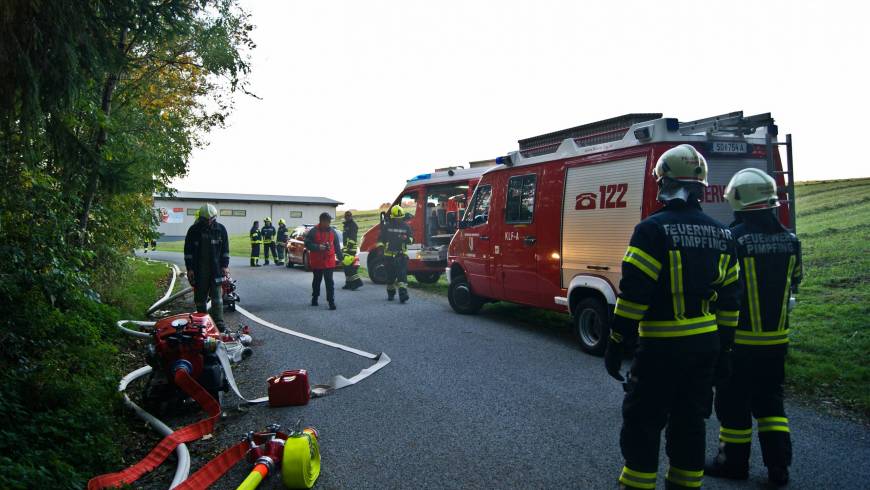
[[830, 346]]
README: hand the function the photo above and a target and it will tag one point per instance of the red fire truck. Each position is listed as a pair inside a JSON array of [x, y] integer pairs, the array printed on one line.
[[548, 226], [433, 204]]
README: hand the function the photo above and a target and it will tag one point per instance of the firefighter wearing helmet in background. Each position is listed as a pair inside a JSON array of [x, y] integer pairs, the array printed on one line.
[[256, 240], [207, 260], [679, 294], [268, 233], [282, 241], [393, 240], [771, 262], [350, 262]]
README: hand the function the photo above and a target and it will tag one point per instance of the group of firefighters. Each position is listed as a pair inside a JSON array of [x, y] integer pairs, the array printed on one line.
[[325, 252], [707, 307]]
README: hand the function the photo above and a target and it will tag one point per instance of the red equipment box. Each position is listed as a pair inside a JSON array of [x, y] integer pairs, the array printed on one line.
[[289, 388]]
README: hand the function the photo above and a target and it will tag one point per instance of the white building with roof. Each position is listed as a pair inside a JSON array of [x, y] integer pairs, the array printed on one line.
[[237, 212]]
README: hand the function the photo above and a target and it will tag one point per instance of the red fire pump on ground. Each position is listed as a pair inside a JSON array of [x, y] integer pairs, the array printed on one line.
[[188, 341]]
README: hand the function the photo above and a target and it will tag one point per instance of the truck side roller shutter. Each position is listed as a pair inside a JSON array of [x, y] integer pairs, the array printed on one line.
[[601, 206]]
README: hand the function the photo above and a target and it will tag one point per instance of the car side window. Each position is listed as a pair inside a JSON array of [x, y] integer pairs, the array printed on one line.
[[520, 199], [478, 212]]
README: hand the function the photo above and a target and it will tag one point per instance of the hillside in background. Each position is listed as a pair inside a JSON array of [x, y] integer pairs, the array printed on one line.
[[830, 339]]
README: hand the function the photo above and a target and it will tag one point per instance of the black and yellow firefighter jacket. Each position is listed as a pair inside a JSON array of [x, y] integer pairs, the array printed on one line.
[[394, 237], [256, 236], [268, 233], [680, 282], [770, 258]]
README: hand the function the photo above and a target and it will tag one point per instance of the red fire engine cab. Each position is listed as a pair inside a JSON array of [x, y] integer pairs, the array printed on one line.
[[549, 225], [433, 203]]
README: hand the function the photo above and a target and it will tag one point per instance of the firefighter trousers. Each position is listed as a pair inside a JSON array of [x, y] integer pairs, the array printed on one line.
[[351, 277], [201, 296], [282, 247], [255, 254], [269, 247], [324, 275], [754, 390], [673, 390], [397, 271]]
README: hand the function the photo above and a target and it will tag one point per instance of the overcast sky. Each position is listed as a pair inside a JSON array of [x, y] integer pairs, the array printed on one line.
[[359, 96]]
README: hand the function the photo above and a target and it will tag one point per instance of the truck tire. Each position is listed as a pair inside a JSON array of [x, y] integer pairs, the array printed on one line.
[[461, 299], [376, 268], [427, 277], [592, 325]]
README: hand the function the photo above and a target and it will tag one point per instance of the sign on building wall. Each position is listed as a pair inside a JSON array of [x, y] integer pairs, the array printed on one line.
[[171, 215]]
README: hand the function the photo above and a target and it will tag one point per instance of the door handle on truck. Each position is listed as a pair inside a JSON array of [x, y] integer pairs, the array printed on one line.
[[530, 240], [484, 237]]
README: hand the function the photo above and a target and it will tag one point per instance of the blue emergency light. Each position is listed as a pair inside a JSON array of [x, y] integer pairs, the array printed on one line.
[[421, 177]]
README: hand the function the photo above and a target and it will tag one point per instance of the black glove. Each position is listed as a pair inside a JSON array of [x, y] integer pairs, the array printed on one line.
[[613, 356], [723, 368]]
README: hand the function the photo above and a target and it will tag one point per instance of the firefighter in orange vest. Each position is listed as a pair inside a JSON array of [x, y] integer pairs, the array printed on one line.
[[679, 294], [393, 240], [771, 263], [324, 250]]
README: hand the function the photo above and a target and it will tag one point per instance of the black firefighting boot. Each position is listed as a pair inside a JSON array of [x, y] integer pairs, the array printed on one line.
[[391, 294], [332, 305], [252, 263], [403, 295], [777, 476], [314, 301], [346, 286], [732, 462]]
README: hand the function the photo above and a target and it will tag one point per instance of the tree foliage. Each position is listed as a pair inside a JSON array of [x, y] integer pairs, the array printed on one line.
[[101, 104]]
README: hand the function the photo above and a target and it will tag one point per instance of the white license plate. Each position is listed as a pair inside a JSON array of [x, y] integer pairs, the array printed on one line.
[[728, 147]]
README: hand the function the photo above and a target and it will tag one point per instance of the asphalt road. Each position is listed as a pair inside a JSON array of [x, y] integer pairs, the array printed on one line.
[[467, 402]]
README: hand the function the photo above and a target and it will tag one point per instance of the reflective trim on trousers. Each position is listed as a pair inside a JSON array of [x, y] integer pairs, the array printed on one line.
[[686, 478], [735, 436], [771, 424], [637, 479]]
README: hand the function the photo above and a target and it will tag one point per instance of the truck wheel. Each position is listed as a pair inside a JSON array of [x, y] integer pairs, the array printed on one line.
[[305, 264], [461, 299], [427, 277], [592, 325], [377, 269]]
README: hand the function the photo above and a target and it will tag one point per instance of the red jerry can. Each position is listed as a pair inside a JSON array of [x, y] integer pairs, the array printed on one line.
[[289, 388]]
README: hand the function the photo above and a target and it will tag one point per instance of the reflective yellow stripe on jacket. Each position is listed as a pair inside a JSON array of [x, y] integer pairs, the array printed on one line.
[[678, 328], [643, 261], [754, 305], [786, 295], [747, 337], [630, 310]]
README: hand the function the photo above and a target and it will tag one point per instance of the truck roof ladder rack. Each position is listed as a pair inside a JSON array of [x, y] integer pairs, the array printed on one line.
[[603, 131], [733, 122]]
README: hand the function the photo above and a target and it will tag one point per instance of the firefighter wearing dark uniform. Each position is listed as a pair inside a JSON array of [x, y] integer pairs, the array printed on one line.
[[393, 240], [268, 233], [256, 240], [679, 294], [771, 262], [349, 228], [282, 241], [350, 262], [207, 259]]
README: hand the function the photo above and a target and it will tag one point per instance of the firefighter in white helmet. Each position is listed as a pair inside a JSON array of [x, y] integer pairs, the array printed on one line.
[[771, 261], [393, 241], [207, 260], [679, 294]]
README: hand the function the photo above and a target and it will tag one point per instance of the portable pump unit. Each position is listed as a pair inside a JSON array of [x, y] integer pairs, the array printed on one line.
[[187, 341]]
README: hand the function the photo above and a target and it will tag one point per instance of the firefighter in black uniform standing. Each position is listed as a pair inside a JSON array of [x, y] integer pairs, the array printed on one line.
[[268, 233], [393, 240], [771, 263], [282, 241], [349, 228], [256, 240], [679, 294]]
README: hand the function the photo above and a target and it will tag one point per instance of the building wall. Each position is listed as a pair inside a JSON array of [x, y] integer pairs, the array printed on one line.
[[237, 225]]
